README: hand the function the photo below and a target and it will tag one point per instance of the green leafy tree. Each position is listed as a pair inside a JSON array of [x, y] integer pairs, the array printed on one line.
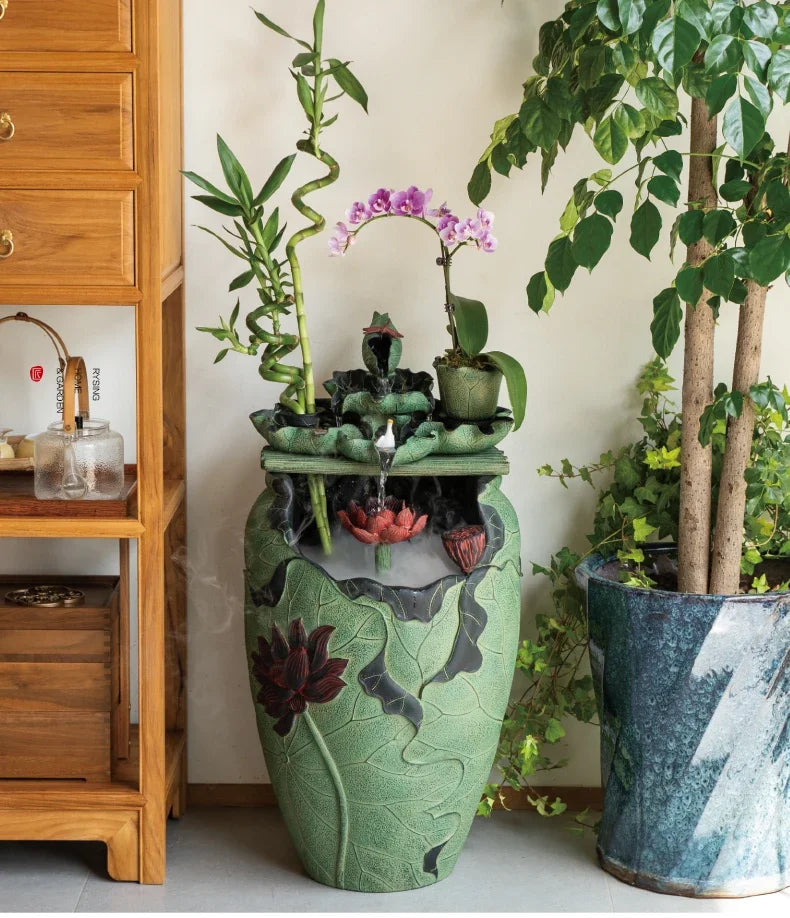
[[271, 262], [618, 69]]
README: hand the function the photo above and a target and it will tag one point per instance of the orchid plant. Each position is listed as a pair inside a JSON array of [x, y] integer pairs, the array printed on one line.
[[468, 319]]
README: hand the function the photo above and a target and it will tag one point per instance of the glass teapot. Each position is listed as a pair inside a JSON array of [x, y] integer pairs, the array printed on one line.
[[79, 457]]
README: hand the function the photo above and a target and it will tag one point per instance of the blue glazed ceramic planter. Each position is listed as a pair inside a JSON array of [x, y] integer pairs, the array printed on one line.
[[694, 700]]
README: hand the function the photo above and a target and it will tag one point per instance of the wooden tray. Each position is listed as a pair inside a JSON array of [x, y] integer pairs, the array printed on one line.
[[16, 465]]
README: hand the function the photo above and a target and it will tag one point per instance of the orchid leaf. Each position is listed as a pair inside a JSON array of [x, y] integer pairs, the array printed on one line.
[[471, 322], [516, 382]]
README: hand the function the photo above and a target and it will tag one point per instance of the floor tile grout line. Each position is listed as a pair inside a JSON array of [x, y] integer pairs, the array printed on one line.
[[82, 891], [609, 893]]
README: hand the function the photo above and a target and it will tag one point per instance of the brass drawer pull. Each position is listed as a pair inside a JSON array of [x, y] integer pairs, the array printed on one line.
[[6, 243], [3, 7], [7, 126]]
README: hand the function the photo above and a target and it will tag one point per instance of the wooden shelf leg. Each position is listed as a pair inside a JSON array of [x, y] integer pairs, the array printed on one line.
[[123, 852]]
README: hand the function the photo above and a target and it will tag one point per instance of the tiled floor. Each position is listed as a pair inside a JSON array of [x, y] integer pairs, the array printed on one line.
[[242, 860]]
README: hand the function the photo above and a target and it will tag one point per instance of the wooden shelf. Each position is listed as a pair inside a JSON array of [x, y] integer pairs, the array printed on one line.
[[18, 500], [122, 791], [175, 491], [143, 250], [23, 516], [489, 462]]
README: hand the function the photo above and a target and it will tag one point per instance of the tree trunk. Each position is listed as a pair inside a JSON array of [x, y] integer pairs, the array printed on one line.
[[728, 538], [697, 461]]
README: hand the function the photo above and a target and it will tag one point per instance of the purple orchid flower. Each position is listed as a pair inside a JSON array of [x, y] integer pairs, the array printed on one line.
[[485, 218], [440, 212], [410, 203], [487, 243], [341, 239], [379, 202], [469, 229], [358, 212], [447, 228]]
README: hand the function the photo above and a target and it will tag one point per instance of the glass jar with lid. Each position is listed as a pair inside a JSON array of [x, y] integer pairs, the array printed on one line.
[[79, 457]]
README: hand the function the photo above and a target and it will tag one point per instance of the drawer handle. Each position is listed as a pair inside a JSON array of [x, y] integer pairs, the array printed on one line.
[[3, 7], [6, 243], [7, 126]]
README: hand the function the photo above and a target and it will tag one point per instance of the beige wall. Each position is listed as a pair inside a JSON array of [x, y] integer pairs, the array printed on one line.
[[438, 73]]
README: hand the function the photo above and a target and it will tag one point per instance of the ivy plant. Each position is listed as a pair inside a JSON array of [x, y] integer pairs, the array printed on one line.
[[271, 262], [638, 499], [619, 70]]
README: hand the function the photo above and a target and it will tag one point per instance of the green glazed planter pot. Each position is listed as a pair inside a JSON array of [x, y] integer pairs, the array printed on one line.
[[379, 764], [467, 393]]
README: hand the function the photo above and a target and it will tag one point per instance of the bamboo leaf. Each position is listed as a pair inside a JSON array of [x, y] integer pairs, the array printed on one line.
[[207, 186], [234, 173], [350, 85], [220, 206], [279, 30], [275, 180]]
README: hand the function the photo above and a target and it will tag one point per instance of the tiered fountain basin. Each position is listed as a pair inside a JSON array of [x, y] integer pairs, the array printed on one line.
[[419, 438], [379, 703]]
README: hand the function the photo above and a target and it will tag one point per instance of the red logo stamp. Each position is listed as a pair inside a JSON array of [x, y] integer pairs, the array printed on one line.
[[37, 373]]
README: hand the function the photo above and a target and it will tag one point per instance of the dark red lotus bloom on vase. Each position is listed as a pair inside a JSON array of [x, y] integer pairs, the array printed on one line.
[[387, 525], [296, 672], [465, 545]]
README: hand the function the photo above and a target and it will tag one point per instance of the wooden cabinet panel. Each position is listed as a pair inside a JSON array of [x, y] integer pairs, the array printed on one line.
[[51, 687], [66, 121], [63, 238], [34, 644], [66, 25], [59, 746]]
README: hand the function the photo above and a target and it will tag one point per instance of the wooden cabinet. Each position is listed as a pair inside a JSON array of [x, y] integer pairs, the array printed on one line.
[[66, 121], [64, 701], [66, 25], [91, 215], [68, 237]]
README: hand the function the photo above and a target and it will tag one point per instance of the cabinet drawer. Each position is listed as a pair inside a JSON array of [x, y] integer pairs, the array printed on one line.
[[63, 238], [61, 746], [51, 687], [66, 121], [66, 25], [17, 646]]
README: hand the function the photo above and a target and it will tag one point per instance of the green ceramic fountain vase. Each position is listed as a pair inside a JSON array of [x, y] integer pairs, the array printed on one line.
[[467, 393], [379, 708]]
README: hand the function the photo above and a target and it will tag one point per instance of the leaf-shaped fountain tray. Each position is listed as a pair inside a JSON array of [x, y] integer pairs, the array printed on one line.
[[362, 403]]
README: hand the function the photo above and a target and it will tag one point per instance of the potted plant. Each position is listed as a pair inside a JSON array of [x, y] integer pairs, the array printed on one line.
[[691, 677], [257, 240], [469, 378]]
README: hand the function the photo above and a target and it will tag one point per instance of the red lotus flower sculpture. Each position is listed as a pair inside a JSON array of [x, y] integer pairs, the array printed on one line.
[[465, 545], [296, 672], [382, 526]]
